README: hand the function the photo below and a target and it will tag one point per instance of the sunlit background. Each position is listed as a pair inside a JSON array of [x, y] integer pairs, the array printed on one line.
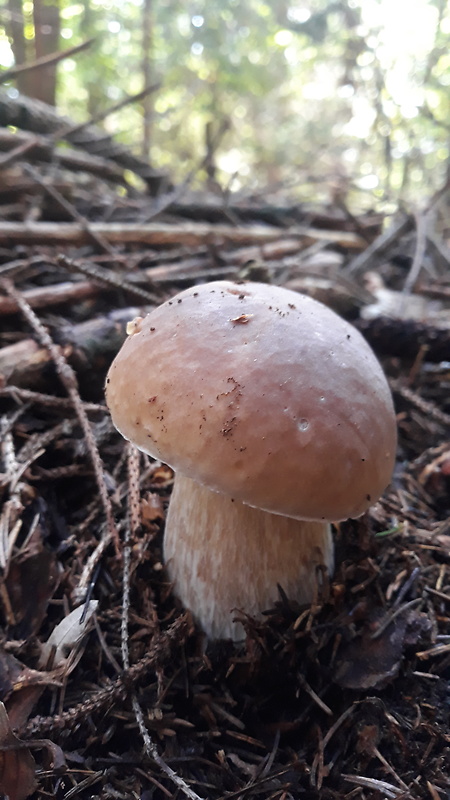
[[345, 100]]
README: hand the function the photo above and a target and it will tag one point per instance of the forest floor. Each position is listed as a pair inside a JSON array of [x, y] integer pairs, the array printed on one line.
[[348, 698]]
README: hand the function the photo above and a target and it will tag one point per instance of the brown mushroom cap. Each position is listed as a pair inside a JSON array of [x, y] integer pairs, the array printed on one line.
[[260, 393]]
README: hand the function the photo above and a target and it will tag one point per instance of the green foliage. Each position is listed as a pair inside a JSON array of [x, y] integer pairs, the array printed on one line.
[[335, 97]]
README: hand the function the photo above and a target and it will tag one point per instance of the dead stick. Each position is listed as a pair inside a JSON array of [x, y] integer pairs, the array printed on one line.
[[99, 240], [45, 61], [107, 277], [43, 296], [380, 245], [42, 148], [189, 234], [128, 100]]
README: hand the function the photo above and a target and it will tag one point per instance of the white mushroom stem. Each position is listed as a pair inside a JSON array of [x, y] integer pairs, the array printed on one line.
[[223, 556]]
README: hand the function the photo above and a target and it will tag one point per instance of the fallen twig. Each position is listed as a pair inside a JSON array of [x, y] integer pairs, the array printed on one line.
[[192, 233], [159, 653], [44, 61]]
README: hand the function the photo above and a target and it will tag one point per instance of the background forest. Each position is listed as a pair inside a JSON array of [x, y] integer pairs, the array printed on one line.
[[328, 98]]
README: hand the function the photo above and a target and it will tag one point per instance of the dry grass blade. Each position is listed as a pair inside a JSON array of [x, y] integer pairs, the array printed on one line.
[[160, 651], [385, 788]]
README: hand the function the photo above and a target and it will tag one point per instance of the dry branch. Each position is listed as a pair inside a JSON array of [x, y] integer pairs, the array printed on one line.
[[85, 345], [33, 115], [44, 296], [44, 61], [381, 244], [40, 148], [191, 234], [282, 216]]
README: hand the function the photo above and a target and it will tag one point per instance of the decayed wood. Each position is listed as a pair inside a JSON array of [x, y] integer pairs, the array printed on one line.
[[266, 251], [278, 215], [192, 234], [43, 296], [203, 266], [33, 115], [405, 338], [23, 363], [14, 183], [40, 148], [87, 346]]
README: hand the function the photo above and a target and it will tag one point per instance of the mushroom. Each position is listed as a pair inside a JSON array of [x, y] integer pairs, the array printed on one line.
[[277, 419]]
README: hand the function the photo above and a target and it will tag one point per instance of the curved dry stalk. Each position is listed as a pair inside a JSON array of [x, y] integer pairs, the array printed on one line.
[[131, 532], [69, 380]]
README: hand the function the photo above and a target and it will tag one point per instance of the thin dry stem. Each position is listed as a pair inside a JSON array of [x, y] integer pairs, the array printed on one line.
[[69, 380], [131, 531]]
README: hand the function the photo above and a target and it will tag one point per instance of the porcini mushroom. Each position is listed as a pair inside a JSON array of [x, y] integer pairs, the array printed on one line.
[[277, 419]]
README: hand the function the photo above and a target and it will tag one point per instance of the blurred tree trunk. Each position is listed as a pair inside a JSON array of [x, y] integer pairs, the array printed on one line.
[[47, 27], [15, 30], [210, 163], [93, 87], [40, 84], [147, 103]]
